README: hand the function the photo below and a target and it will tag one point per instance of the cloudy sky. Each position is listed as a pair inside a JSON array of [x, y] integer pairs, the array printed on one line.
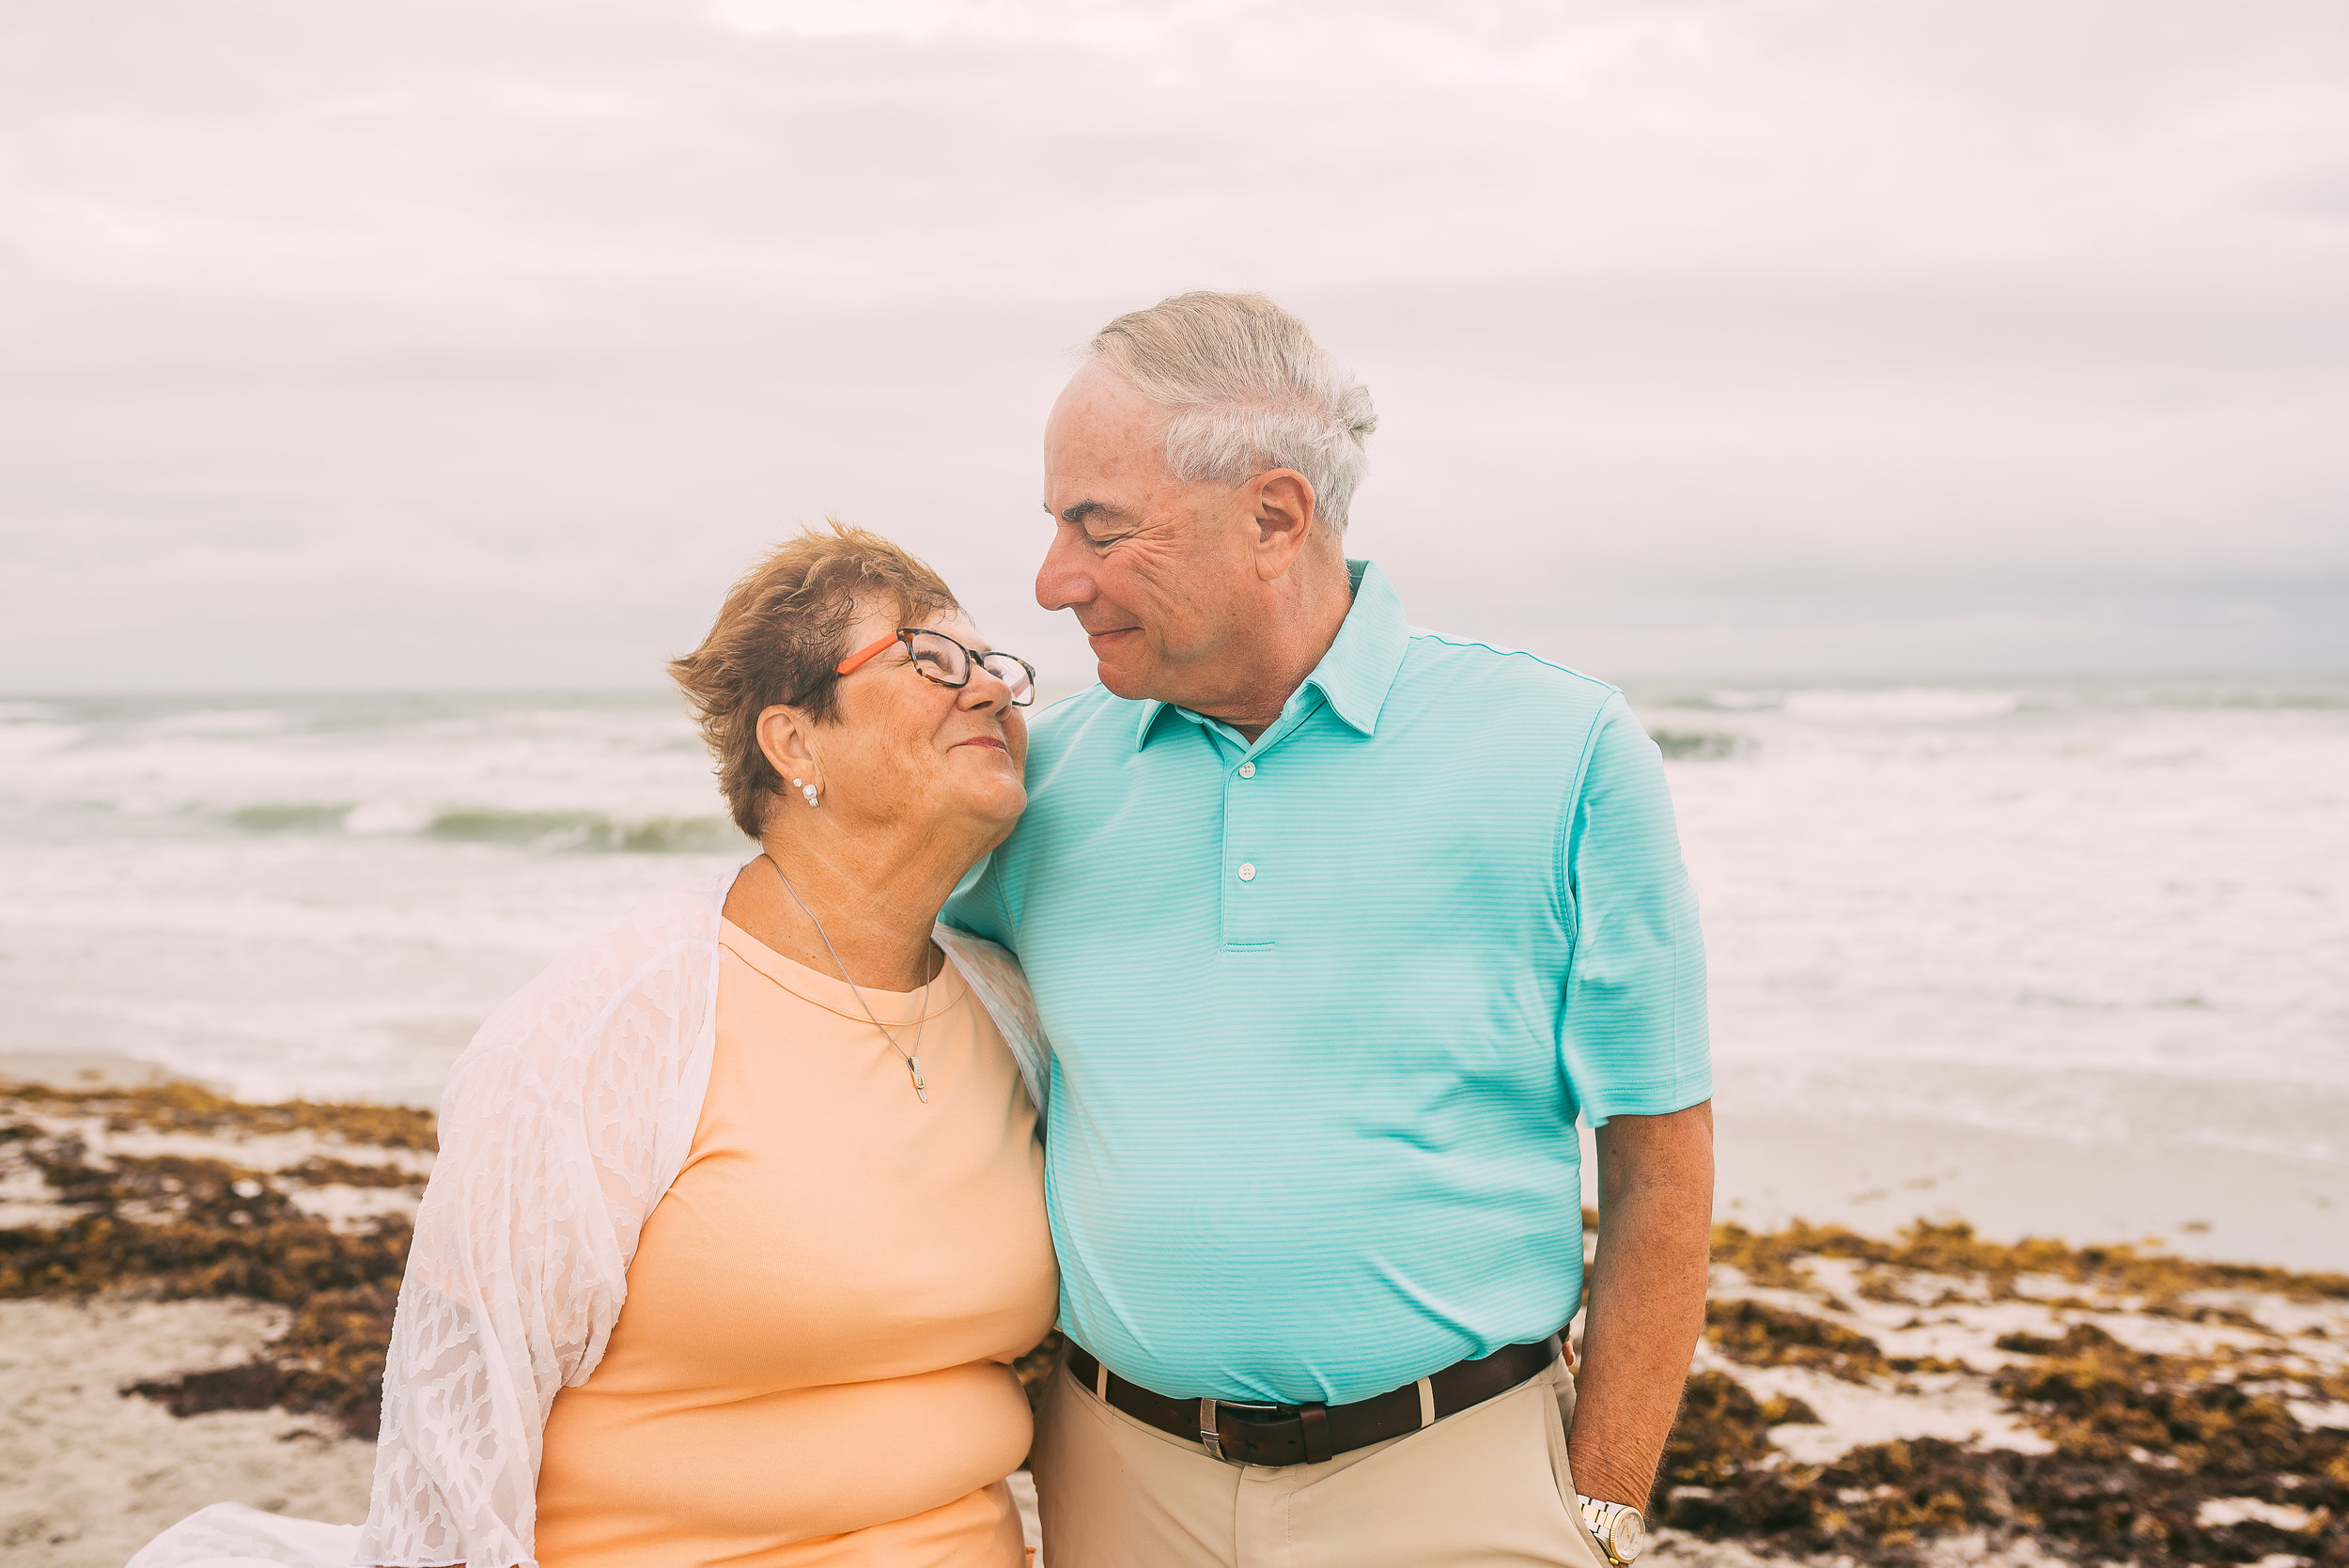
[[479, 342]]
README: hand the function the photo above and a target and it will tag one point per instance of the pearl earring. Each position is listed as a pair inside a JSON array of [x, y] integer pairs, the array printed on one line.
[[808, 790]]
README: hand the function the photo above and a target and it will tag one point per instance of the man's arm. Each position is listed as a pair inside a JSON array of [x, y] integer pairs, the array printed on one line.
[[1647, 1297]]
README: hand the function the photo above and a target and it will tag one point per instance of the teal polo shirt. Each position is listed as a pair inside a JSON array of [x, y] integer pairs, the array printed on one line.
[[1323, 1009]]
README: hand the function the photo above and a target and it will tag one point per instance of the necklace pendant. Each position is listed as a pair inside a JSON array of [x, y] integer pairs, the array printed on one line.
[[921, 1090]]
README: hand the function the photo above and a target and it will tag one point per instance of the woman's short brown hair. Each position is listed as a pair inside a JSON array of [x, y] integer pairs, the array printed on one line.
[[779, 638]]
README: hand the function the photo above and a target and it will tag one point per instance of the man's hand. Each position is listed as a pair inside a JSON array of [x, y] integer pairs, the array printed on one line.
[[1647, 1297]]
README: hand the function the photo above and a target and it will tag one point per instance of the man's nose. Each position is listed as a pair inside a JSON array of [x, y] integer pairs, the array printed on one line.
[[1062, 581]]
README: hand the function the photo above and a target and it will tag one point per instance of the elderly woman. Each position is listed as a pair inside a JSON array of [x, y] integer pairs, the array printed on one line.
[[739, 1219]]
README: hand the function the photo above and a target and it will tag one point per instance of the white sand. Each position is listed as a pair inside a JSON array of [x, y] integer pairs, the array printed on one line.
[[89, 1474], [2233, 1172], [2221, 1205]]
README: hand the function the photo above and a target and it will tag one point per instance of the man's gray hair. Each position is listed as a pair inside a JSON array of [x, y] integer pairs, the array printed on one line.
[[1251, 391]]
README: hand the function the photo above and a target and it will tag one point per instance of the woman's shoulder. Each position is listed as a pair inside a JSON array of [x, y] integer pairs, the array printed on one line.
[[1001, 988], [650, 966], [982, 961], [681, 921]]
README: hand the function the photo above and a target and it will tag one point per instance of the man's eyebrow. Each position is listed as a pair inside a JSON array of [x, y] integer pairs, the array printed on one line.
[[1084, 510]]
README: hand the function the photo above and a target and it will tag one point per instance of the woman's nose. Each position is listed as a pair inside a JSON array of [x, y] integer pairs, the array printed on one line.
[[986, 688]]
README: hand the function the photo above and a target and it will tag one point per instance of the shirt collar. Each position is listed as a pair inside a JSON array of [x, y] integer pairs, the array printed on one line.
[[1357, 672]]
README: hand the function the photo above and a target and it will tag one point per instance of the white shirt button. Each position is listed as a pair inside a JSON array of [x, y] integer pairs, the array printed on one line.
[[1247, 769], [1247, 871]]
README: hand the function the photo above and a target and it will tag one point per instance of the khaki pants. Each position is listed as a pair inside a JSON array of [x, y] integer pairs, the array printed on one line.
[[1487, 1484]]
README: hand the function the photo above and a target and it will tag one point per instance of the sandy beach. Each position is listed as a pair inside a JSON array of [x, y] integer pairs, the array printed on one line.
[[2205, 1200], [193, 1293], [109, 1332], [88, 1475]]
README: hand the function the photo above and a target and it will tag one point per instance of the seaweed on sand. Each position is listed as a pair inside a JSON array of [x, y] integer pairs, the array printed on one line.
[[1760, 1335], [2156, 1279], [2159, 1460], [175, 1227], [329, 1361], [1878, 1502], [2097, 1399], [191, 1108], [1724, 1432]]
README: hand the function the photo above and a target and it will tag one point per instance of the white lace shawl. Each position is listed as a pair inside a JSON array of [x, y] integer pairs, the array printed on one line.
[[564, 1123]]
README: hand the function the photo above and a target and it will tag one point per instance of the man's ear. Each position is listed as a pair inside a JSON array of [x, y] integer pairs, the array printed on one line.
[[1283, 501]]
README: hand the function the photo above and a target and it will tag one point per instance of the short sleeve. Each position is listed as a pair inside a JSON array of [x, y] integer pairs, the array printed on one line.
[[1634, 1038]]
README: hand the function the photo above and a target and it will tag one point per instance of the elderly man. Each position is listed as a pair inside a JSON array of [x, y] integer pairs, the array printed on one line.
[[1337, 926]]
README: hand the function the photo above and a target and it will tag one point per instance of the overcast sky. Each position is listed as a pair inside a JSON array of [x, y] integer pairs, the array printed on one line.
[[480, 342]]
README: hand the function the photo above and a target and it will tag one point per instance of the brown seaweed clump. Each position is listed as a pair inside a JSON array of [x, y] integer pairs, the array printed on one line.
[[329, 1361], [191, 1108], [1760, 1335], [1724, 1432], [2158, 1460], [172, 1227], [1877, 1503], [2155, 1281]]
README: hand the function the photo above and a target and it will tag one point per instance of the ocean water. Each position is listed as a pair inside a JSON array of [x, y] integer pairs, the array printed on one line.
[[323, 895], [1958, 901], [2109, 915]]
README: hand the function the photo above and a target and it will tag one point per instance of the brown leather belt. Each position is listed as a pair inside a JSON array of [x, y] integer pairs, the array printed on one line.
[[1244, 1433]]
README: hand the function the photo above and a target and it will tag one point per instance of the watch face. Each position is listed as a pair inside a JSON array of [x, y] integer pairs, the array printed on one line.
[[1627, 1535]]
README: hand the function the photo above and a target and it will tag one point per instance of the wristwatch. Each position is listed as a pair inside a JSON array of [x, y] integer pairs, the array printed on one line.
[[1618, 1529]]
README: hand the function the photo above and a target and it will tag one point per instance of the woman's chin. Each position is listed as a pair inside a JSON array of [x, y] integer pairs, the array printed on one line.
[[1002, 804], [983, 785]]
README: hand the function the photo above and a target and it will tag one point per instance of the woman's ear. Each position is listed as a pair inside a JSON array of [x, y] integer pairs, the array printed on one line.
[[784, 734]]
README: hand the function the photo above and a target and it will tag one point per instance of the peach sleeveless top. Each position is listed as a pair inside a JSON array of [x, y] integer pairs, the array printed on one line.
[[812, 1365]]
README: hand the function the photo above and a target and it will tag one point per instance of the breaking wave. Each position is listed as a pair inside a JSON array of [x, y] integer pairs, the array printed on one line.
[[552, 831]]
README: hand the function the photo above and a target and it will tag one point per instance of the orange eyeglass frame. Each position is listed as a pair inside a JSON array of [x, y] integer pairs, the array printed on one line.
[[857, 660]]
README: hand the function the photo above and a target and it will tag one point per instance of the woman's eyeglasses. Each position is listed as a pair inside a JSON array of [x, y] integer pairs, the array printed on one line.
[[938, 658]]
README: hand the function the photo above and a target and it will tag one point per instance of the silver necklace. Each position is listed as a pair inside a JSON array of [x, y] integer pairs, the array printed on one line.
[[913, 1057]]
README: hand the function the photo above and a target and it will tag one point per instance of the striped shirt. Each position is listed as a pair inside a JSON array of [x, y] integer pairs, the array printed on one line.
[[1325, 1008]]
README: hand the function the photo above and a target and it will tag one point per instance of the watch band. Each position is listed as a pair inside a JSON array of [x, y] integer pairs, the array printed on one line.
[[1617, 1528]]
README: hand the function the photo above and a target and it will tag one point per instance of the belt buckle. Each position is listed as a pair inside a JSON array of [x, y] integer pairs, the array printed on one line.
[[1211, 1430]]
